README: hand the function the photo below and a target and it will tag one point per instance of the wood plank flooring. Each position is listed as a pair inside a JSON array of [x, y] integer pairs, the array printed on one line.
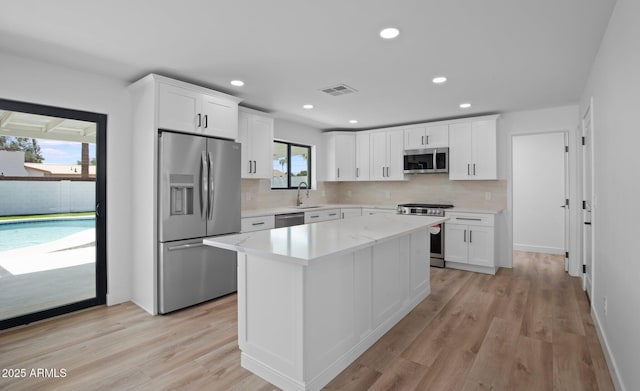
[[526, 328]]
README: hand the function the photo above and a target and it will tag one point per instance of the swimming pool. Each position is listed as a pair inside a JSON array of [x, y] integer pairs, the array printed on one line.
[[30, 233]]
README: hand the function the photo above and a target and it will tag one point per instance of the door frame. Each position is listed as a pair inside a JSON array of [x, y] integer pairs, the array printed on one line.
[[101, 207], [588, 111], [567, 186]]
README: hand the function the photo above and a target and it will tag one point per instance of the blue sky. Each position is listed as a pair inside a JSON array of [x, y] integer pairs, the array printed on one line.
[[63, 152]]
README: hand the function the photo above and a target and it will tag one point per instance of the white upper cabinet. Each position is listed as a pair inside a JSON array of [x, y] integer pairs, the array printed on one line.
[[472, 150], [426, 136], [219, 117], [188, 108], [386, 155], [341, 156], [363, 156], [255, 133]]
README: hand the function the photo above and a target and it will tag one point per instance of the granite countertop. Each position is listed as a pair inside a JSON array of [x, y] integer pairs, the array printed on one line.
[[304, 243]]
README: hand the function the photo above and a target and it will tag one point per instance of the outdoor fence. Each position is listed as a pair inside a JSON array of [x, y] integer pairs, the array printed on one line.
[[26, 197]]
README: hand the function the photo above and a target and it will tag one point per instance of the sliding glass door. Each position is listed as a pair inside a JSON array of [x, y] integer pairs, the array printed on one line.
[[52, 211]]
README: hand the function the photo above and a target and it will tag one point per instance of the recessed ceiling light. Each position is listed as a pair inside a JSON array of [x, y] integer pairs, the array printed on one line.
[[237, 83], [353, 121], [307, 106], [439, 80], [465, 105], [389, 33]]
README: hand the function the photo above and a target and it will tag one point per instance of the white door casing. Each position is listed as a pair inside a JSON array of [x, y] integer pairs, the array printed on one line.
[[587, 197]]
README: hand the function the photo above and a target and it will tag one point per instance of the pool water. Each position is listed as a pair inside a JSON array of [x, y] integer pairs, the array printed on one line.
[[24, 234]]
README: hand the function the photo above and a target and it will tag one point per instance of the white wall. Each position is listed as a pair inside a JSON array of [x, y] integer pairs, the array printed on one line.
[[38, 82], [538, 193], [614, 84], [12, 163], [27, 197], [538, 121]]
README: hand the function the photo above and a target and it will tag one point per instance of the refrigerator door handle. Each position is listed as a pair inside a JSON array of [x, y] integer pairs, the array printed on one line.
[[204, 186], [211, 187]]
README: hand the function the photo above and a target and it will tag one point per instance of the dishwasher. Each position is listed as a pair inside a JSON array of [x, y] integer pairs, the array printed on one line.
[[289, 219]]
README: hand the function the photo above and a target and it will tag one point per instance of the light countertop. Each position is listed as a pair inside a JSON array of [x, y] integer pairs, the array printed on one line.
[[293, 209], [463, 209], [304, 243]]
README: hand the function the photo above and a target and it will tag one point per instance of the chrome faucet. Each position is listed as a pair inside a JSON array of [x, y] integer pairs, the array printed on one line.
[[299, 201]]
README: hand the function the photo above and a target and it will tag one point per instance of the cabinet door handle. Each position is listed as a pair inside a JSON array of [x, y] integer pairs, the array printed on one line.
[[465, 236], [357, 172], [474, 169], [338, 172], [422, 140], [470, 236], [468, 169], [427, 140], [250, 165], [383, 171], [206, 121], [199, 120]]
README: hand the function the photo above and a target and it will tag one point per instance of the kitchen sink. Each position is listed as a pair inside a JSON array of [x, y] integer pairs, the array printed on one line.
[[308, 207]]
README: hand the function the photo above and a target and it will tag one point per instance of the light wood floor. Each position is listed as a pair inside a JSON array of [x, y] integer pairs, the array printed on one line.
[[526, 328]]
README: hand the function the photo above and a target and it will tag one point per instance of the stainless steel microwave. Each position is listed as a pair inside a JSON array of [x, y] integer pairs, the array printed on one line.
[[426, 161]]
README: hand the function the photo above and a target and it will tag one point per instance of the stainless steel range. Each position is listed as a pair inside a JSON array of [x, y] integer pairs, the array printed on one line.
[[437, 231]]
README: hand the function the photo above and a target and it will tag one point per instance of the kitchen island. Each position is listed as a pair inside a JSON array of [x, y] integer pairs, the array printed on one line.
[[314, 297]]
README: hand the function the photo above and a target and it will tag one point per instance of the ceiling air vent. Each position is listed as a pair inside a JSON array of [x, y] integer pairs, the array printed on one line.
[[338, 89]]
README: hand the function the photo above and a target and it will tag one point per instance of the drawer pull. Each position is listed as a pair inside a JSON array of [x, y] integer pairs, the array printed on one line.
[[468, 219], [314, 217], [333, 214], [260, 223]]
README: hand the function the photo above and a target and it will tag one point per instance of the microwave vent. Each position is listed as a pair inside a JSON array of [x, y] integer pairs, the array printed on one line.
[[338, 89]]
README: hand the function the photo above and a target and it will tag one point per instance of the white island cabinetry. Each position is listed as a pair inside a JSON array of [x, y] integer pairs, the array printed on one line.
[[314, 297]]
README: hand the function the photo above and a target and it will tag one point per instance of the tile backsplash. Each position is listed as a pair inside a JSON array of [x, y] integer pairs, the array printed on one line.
[[257, 194], [432, 188], [426, 188]]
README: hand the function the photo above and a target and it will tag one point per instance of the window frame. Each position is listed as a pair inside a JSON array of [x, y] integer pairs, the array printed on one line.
[[290, 144]]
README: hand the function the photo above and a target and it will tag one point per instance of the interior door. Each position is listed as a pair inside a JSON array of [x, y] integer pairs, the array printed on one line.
[[587, 196]]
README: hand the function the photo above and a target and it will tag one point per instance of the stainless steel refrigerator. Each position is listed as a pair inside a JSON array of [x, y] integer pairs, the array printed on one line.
[[199, 196]]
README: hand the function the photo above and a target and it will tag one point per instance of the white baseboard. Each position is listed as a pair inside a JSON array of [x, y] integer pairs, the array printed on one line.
[[611, 362], [538, 249]]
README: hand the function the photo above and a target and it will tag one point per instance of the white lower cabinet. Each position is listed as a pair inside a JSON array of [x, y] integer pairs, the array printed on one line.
[[321, 215], [249, 224], [469, 242], [350, 212]]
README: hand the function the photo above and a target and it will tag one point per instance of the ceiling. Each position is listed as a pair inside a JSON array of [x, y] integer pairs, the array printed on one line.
[[498, 55], [17, 124]]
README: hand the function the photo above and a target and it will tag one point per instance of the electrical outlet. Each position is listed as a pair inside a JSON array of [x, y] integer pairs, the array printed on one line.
[[487, 195], [324, 194], [349, 193], [387, 194], [248, 196], [605, 305]]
